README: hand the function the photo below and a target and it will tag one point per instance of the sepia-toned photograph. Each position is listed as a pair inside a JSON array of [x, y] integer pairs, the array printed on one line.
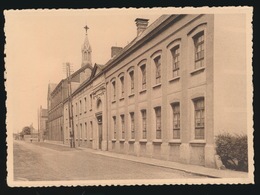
[[146, 96]]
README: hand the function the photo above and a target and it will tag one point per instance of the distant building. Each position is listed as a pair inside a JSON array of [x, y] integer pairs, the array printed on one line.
[[43, 118], [166, 95]]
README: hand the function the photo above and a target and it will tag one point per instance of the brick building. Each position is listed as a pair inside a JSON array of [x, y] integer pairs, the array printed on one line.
[[166, 95]]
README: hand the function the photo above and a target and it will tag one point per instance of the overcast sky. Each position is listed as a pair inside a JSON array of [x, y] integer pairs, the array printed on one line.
[[39, 42]]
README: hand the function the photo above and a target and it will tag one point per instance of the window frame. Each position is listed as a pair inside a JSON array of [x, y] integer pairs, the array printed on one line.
[[144, 123], [122, 116], [158, 122], [199, 114], [176, 130], [175, 60], [158, 67], [199, 49], [132, 125]]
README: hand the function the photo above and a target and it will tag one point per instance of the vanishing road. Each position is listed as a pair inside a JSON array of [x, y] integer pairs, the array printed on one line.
[[48, 162]]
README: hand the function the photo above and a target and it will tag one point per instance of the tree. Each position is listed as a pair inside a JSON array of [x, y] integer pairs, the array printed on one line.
[[26, 131]]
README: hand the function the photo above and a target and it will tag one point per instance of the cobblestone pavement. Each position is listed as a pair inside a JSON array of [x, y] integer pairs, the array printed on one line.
[[48, 162]]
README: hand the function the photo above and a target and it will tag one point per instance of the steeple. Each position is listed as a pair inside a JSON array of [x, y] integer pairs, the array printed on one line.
[[86, 50]]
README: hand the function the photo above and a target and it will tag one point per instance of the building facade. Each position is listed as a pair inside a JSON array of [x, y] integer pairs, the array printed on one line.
[[166, 95]]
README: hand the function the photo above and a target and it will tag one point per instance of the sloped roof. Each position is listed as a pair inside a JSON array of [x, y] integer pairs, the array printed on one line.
[[52, 86]]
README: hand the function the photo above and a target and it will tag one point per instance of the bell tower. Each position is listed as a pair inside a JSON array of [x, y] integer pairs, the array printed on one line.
[[86, 50]]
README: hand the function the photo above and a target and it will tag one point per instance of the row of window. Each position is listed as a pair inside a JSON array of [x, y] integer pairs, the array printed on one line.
[[82, 131], [199, 124], [198, 40], [80, 107]]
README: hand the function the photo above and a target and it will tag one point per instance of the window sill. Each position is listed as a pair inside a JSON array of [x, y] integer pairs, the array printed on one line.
[[157, 141], [197, 71], [85, 140], [122, 140], [142, 91], [131, 95], [122, 98], [157, 85], [113, 140], [143, 140], [199, 142], [174, 79], [90, 139], [131, 140], [175, 141], [113, 101]]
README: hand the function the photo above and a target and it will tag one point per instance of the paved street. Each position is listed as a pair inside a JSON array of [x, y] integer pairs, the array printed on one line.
[[48, 162]]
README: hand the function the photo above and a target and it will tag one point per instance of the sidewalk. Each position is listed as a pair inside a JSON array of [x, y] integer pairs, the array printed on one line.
[[195, 169]]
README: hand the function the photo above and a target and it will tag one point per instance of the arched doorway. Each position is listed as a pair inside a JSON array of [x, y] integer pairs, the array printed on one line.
[[99, 121]]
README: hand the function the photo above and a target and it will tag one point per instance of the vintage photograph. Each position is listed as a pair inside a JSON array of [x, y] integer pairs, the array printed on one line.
[[129, 96]]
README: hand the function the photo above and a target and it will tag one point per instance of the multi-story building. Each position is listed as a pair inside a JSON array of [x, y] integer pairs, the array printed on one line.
[[168, 93]]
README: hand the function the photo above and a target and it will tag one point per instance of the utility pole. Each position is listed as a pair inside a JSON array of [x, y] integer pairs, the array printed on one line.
[[71, 123]]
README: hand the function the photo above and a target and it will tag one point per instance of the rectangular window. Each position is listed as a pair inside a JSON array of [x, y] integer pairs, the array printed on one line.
[[85, 102], [91, 130], [80, 107], [143, 70], [114, 126], [122, 85], [176, 120], [86, 131], [199, 118], [90, 98], [199, 50], [123, 126], [132, 116], [77, 109], [132, 81], [175, 61], [158, 122], [80, 135], [157, 62], [114, 90], [144, 124]]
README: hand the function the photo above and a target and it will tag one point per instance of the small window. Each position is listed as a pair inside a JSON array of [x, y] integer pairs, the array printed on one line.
[[143, 71], [175, 61], [80, 107], [85, 102], [199, 118], [144, 124], [90, 98], [91, 129], [86, 131], [123, 126], [131, 74], [158, 122], [114, 127], [77, 109], [132, 116], [199, 50], [157, 62], [114, 90], [176, 120], [122, 85]]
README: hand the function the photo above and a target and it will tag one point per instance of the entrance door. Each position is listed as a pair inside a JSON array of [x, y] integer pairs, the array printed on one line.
[[99, 119]]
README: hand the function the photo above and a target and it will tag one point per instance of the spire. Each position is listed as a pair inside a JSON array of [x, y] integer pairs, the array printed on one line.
[[86, 50]]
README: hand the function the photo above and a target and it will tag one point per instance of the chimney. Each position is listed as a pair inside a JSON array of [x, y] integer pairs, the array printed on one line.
[[115, 50], [141, 25]]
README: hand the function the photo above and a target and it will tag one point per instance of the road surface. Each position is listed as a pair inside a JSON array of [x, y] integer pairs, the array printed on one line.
[[48, 162]]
